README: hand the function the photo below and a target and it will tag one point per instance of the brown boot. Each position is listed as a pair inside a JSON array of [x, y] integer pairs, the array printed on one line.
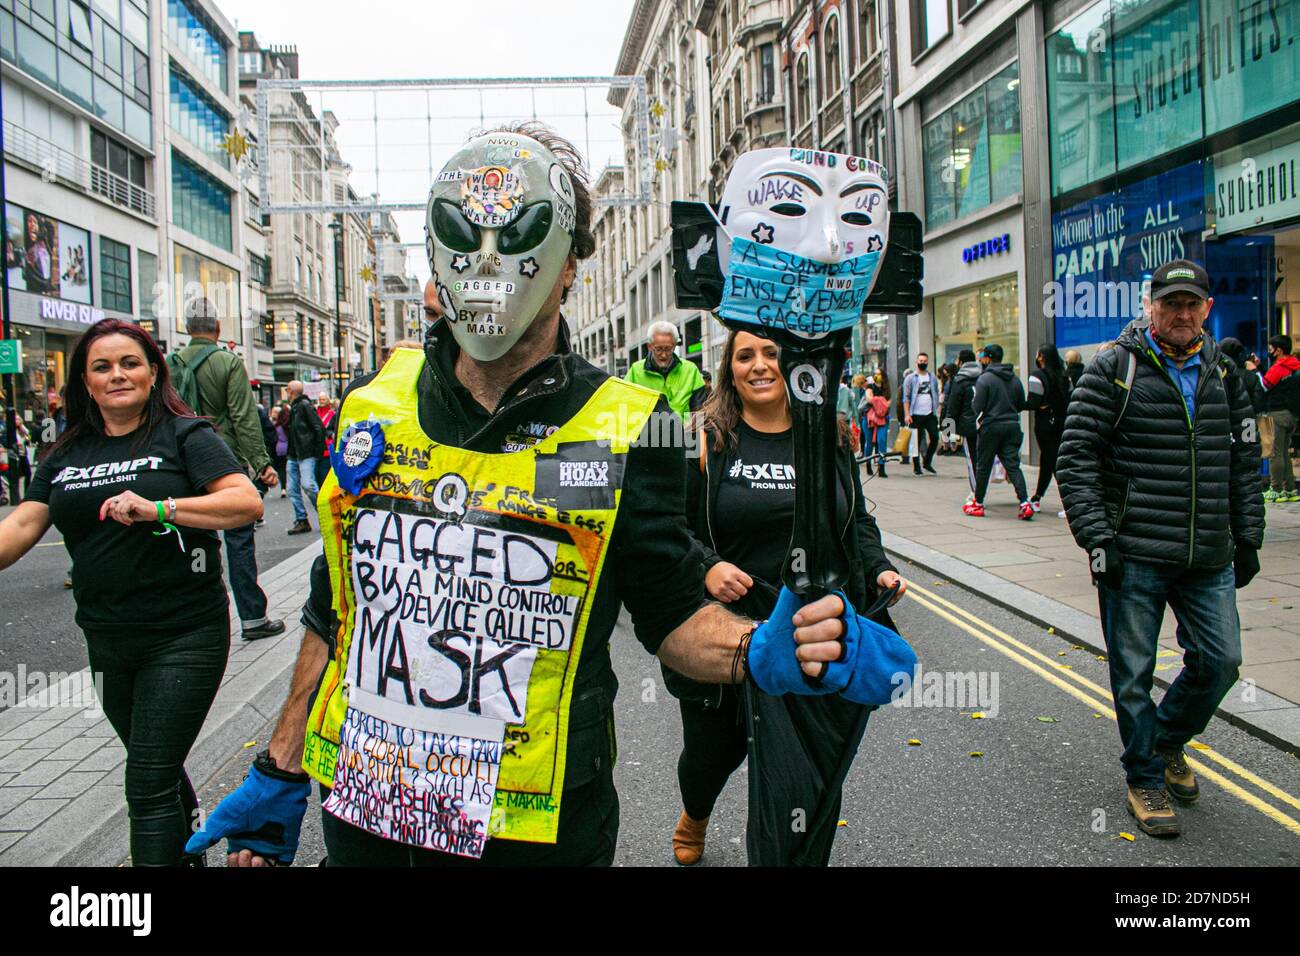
[[1179, 777], [688, 839], [1151, 810]]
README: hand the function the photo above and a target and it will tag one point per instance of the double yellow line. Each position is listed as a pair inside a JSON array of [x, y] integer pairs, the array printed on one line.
[[1096, 696]]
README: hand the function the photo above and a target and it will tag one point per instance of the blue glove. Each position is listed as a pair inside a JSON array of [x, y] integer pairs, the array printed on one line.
[[264, 814], [881, 655], [772, 661]]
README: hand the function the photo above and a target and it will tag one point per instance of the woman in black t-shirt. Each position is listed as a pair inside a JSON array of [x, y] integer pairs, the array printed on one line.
[[138, 487], [740, 504]]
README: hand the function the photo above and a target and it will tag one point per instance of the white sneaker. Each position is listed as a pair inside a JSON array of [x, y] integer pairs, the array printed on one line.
[[1036, 505], [970, 498], [1060, 514]]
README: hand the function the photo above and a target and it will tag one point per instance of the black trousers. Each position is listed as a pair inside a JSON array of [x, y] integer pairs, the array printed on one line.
[[714, 745], [999, 440], [156, 691], [927, 437], [1049, 444]]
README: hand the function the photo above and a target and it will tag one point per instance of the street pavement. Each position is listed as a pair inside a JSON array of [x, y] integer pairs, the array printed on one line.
[[1047, 789]]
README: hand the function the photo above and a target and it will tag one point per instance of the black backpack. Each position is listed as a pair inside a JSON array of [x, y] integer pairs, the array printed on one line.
[[183, 380]]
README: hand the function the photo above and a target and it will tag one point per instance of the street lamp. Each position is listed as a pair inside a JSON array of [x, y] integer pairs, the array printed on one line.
[[336, 227]]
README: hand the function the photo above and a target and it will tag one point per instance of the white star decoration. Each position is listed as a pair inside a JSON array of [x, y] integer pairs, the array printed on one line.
[[762, 234], [460, 262], [528, 267]]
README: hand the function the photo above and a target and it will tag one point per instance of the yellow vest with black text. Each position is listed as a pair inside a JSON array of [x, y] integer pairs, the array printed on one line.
[[522, 489]]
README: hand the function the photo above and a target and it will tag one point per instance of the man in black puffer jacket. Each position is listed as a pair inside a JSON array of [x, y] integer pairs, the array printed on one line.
[[1159, 471]]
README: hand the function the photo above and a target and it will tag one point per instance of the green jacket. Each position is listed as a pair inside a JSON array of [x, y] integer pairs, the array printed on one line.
[[679, 384], [226, 397]]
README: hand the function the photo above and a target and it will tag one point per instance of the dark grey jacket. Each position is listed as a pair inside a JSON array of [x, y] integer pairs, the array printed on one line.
[[1168, 490], [999, 396]]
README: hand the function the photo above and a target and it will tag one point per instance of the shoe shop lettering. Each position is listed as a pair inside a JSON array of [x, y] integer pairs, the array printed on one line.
[[418, 787], [107, 473], [766, 476], [451, 616]]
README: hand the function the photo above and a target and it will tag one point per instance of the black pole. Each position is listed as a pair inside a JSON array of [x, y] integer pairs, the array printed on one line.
[[10, 386]]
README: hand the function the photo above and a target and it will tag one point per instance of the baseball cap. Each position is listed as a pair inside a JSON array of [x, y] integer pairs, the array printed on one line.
[[1181, 275]]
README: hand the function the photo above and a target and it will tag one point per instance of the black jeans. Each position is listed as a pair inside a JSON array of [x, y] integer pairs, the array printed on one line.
[[714, 743], [156, 691], [999, 440], [588, 836], [927, 437], [1049, 443], [241, 556]]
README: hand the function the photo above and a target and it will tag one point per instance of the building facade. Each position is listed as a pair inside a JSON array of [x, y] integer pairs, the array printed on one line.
[[124, 196]]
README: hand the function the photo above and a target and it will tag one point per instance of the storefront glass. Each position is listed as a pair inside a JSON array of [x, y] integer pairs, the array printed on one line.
[[200, 276], [1081, 118], [976, 317]]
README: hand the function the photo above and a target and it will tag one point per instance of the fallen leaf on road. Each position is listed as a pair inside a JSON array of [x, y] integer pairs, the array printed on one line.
[[1096, 715], [978, 715], [1127, 836], [1061, 653], [251, 743], [1046, 720], [842, 823], [1101, 657], [1077, 647], [1066, 667], [977, 753], [1051, 630], [914, 743], [1197, 745]]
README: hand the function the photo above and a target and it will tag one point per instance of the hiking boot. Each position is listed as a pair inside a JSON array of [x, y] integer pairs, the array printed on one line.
[[1179, 777], [688, 839], [268, 629], [300, 527], [1151, 810], [974, 509], [1026, 511]]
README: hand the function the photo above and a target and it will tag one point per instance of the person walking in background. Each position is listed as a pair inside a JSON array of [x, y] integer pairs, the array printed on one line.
[[306, 445], [325, 409], [1282, 383], [1049, 396], [280, 445], [1250, 378], [1073, 367], [999, 399], [959, 412], [217, 379], [920, 411], [1159, 471], [876, 400], [152, 603], [664, 371]]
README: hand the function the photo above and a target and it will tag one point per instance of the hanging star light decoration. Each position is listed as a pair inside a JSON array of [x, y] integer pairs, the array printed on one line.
[[661, 165], [367, 274], [657, 110], [236, 145]]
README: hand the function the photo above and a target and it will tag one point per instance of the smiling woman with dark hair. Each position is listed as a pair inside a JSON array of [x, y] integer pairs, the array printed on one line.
[[138, 486]]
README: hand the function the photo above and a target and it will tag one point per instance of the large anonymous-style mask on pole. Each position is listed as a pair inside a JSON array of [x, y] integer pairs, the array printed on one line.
[[793, 253], [800, 241], [498, 230]]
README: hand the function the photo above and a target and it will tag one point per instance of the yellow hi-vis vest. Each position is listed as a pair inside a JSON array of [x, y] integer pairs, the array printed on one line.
[[462, 583]]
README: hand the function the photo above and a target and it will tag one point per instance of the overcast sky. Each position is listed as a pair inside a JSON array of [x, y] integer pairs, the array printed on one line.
[[381, 39]]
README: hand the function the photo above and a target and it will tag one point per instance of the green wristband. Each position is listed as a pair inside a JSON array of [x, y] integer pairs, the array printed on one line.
[[162, 513]]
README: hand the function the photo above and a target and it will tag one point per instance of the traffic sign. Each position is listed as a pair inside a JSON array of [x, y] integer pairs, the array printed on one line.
[[11, 357]]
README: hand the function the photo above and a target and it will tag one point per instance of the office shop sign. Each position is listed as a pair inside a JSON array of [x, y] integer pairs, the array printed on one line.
[[1256, 189]]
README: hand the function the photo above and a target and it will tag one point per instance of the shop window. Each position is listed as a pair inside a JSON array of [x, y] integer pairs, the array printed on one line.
[[115, 275], [1157, 103], [1252, 60], [219, 284], [972, 151], [146, 279], [79, 26], [974, 318]]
